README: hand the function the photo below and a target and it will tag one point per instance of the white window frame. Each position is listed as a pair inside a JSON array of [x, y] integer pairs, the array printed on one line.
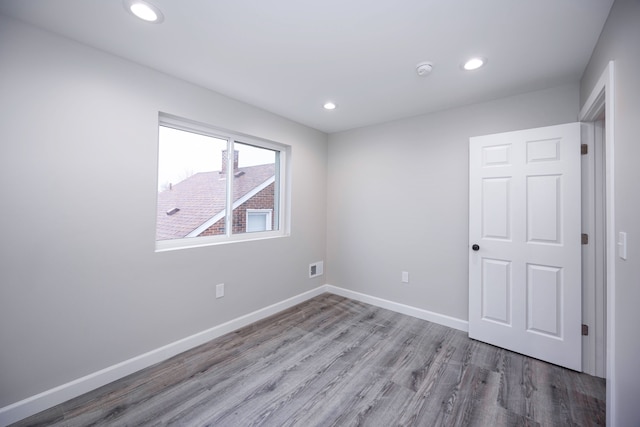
[[283, 190], [268, 219]]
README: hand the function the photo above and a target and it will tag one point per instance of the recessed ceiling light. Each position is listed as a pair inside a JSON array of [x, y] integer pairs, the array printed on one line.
[[144, 10], [330, 106], [474, 63]]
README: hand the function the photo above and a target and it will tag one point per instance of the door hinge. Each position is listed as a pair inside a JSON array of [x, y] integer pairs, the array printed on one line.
[[585, 239], [585, 330], [584, 149]]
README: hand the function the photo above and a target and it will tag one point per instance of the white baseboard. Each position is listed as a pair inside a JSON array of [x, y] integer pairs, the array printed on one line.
[[420, 313], [55, 396], [47, 399]]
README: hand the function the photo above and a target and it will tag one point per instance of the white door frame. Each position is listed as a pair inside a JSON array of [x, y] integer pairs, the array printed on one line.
[[593, 254], [601, 100]]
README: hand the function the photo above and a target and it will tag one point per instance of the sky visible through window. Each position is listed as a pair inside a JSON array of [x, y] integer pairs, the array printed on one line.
[[183, 154]]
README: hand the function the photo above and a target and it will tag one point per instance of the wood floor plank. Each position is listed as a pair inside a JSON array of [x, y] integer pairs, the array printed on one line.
[[332, 361]]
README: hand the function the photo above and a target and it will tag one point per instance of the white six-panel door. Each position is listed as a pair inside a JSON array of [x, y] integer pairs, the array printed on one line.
[[524, 217]]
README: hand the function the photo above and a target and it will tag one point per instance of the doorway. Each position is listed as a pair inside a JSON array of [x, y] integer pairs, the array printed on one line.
[[594, 248], [600, 105]]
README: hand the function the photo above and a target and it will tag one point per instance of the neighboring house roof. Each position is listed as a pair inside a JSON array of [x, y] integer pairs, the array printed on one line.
[[201, 197]]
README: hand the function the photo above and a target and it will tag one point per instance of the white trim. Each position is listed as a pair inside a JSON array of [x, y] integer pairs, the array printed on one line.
[[593, 106], [600, 322], [201, 242], [419, 313], [228, 218], [45, 400], [588, 251], [188, 125], [604, 93], [600, 273], [593, 254], [594, 260]]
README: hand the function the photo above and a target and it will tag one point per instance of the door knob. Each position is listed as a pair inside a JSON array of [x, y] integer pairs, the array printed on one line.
[[475, 247]]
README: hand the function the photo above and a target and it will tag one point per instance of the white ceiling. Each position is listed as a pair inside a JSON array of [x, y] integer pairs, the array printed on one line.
[[290, 56]]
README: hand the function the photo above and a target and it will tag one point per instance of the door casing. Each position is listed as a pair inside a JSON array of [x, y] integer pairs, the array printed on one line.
[[601, 101]]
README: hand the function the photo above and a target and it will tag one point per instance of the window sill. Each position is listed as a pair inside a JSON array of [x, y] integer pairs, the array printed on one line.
[[198, 242]]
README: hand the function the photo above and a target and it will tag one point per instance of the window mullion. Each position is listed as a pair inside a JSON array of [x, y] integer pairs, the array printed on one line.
[[229, 177], [277, 206]]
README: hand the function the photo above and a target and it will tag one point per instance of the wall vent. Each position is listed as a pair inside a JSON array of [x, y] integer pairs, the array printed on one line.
[[316, 269]]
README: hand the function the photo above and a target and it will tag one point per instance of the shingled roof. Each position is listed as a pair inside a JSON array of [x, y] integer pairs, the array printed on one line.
[[201, 197]]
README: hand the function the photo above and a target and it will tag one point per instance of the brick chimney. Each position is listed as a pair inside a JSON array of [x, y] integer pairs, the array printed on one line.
[[223, 171]]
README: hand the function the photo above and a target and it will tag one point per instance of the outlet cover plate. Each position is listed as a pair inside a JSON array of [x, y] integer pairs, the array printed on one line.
[[405, 277]]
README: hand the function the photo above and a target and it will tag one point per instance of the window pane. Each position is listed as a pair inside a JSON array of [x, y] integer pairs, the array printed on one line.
[[257, 221], [254, 185], [191, 187]]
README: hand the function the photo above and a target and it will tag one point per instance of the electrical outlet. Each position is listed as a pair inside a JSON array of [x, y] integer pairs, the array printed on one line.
[[405, 277], [220, 290]]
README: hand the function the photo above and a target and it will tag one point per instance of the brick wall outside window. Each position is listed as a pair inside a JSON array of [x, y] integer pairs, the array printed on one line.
[[262, 200]]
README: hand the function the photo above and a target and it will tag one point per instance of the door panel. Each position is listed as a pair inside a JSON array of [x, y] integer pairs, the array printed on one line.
[[544, 209], [496, 291], [524, 213], [495, 209], [544, 290]]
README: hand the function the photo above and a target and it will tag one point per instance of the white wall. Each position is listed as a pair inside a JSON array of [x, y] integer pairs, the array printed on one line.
[[81, 287], [398, 198], [620, 41]]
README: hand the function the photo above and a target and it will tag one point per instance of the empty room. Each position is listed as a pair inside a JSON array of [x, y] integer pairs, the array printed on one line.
[[233, 213]]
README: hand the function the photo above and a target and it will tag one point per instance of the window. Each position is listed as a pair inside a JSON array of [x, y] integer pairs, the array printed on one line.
[[259, 220], [216, 186]]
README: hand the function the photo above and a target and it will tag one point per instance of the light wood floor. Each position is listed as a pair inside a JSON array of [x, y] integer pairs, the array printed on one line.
[[332, 361]]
